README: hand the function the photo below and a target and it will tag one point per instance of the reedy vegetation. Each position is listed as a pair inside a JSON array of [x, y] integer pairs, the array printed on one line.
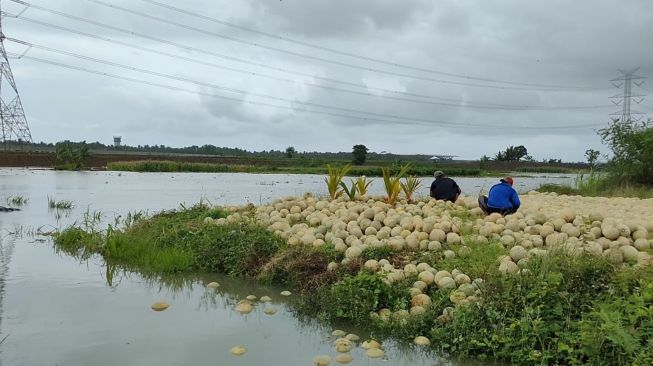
[[59, 205], [17, 200]]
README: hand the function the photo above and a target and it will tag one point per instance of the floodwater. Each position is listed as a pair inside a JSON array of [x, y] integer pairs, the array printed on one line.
[[58, 310]]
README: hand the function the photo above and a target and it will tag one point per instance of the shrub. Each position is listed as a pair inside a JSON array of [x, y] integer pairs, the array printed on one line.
[[355, 297]]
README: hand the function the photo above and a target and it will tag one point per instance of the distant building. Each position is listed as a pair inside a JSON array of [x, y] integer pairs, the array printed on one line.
[[117, 140], [438, 158]]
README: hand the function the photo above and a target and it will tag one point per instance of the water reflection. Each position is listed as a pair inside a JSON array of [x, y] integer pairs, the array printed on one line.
[[66, 311], [7, 244]]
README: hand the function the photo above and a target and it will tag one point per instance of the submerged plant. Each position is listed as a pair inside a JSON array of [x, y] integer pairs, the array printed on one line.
[[409, 186], [393, 183], [349, 192], [17, 200], [362, 184], [59, 205], [334, 179]]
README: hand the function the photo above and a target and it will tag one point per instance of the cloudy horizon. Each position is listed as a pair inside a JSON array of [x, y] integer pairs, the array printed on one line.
[[321, 78]]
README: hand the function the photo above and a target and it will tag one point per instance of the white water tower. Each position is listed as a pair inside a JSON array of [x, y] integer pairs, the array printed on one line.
[[117, 140]]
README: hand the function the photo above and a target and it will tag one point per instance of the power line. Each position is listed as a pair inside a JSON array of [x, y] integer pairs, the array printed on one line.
[[298, 109], [314, 58], [476, 105], [344, 53], [207, 84], [344, 64]]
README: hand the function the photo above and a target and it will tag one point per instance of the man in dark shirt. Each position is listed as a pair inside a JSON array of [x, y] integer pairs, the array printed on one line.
[[444, 188]]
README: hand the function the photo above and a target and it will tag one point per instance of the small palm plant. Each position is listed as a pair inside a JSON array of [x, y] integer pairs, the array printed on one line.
[[409, 186], [334, 178], [349, 192], [362, 184], [393, 184]]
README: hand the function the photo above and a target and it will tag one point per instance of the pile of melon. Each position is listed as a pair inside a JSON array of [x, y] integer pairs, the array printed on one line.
[[618, 228]]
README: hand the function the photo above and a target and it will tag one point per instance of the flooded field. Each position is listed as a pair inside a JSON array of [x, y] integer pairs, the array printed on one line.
[[56, 310]]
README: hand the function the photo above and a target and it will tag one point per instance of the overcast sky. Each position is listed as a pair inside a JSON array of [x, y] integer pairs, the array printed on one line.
[[576, 46]]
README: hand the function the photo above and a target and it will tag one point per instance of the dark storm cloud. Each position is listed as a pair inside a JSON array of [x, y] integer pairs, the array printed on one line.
[[337, 18], [558, 42]]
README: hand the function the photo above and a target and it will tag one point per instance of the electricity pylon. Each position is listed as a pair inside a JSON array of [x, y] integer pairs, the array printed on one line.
[[626, 80], [12, 116]]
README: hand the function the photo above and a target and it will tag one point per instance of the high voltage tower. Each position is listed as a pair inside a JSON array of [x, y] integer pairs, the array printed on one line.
[[625, 99], [12, 116]]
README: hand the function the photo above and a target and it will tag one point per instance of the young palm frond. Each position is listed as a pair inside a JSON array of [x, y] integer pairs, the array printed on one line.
[[393, 184], [349, 192], [409, 186], [362, 185], [334, 178]]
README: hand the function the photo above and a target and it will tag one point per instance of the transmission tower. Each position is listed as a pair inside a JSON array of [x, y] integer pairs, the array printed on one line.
[[625, 99], [12, 115]]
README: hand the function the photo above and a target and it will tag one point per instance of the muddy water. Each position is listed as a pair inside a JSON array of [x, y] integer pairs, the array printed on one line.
[[56, 310]]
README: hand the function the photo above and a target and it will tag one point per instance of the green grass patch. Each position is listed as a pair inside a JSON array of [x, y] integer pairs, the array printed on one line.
[[546, 170], [179, 241], [300, 267], [598, 184], [174, 166], [354, 297], [477, 264], [558, 188], [78, 242]]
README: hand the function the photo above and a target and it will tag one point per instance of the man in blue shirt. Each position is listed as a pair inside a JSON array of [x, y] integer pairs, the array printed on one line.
[[502, 198]]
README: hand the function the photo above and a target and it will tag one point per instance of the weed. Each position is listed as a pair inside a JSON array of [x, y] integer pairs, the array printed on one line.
[[17, 200], [377, 253], [354, 297], [59, 205], [299, 267]]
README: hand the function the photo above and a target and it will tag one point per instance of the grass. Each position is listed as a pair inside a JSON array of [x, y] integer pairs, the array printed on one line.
[[597, 184], [59, 205], [370, 171], [177, 241], [547, 170], [17, 200]]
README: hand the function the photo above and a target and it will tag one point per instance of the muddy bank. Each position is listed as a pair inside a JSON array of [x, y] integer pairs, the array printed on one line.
[[99, 160]]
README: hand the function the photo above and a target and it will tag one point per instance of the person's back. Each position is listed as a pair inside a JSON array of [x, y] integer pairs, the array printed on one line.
[[444, 188], [503, 196]]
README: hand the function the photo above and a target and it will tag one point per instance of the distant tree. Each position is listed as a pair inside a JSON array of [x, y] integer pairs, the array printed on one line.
[[290, 152], [512, 153], [592, 157], [71, 155], [554, 161], [632, 149], [360, 154]]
